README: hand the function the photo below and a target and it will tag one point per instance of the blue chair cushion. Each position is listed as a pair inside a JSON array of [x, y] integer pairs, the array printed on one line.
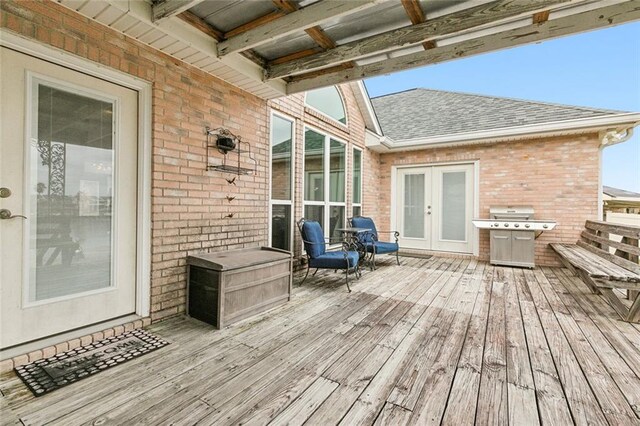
[[365, 222], [312, 232], [334, 260], [382, 247]]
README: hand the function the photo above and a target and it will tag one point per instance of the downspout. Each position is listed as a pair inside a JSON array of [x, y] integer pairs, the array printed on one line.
[[609, 137]]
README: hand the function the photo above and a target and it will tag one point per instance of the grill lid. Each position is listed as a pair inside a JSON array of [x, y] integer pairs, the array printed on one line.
[[511, 212]]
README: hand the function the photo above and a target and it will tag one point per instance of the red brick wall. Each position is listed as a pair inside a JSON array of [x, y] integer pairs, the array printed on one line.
[[557, 176], [188, 202]]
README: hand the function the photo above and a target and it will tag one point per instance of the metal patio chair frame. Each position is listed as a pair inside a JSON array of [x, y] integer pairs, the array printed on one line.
[[373, 235], [346, 249]]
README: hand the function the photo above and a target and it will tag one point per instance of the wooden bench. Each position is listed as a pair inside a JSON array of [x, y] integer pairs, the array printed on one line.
[[603, 271]]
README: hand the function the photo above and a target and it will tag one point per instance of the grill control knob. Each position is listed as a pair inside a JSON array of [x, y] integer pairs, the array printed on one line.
[[517, 225], [545, 226], [506, 225], [526, 225], [496, 224]]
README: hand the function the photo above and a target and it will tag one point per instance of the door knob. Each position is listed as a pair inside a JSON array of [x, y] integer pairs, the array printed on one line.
[[6, 214]]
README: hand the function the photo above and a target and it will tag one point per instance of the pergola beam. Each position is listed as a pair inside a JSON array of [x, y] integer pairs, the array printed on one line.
[[300, 20], [553, 28], [403, 37], [167, 8], [416, 16]]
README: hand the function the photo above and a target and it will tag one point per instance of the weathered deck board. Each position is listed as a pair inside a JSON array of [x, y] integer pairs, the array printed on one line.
[[450, 341]]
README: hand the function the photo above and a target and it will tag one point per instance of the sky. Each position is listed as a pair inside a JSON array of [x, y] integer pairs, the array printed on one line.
[[598, 69]]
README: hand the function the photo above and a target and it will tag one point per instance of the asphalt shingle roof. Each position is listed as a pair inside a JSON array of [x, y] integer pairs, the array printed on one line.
[[617, 192], [422, 113]]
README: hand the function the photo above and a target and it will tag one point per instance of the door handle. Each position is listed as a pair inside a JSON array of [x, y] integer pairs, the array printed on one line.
[[6, 214]]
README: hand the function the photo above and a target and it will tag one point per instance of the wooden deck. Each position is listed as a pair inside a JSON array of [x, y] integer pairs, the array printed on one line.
[[433, 341]]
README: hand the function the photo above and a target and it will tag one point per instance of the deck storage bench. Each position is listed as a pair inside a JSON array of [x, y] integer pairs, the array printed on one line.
[[229, 286]]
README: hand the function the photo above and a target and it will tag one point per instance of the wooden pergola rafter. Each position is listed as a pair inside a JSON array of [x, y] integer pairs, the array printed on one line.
[[535, 32], [456, 33], [426, 31]]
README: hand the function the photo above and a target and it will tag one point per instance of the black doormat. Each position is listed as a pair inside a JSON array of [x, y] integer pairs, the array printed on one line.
[[49, 374]]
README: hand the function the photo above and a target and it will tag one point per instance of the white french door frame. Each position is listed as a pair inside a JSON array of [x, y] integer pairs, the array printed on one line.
[[143, 88], [476, 194]]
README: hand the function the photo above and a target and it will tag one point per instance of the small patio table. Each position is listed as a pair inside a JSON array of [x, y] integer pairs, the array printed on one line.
[[350, 236]]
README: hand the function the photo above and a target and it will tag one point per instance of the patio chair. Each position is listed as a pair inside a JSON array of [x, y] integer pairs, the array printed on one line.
[[318, 257], [371, 242]]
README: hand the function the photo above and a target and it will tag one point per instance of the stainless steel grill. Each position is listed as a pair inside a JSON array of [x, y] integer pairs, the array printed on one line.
[[512, 234]]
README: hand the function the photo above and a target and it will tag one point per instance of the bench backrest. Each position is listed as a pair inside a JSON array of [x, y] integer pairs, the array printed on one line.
[[597, 238]]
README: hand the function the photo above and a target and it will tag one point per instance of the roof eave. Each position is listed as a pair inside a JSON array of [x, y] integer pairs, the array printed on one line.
[[577, 126]]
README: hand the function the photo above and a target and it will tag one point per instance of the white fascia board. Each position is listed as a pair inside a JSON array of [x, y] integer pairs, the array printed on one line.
[[200, 41], [366, 108], [617, 121]]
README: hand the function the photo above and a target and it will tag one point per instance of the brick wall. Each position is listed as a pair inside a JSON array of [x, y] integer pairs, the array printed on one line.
[[557, 176], [188, 202]]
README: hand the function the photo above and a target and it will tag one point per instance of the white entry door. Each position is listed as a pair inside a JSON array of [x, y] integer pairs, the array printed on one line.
[[435, 207], [68, 144]]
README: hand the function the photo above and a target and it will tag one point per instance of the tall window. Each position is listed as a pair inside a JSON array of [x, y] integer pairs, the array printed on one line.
[[281, 181], [357, 182], [328, 101], [324, 181]]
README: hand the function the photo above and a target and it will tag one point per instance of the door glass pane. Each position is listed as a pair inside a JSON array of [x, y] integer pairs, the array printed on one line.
[[357, 211], [357, 176], [315, 213], [337, 168], [281, 136], [453, 206], [313, 166], [71, 193], [336, 220], [281, 226], [413, 220]]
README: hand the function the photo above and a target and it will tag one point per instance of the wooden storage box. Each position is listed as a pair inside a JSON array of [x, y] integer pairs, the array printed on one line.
[[226, 287]]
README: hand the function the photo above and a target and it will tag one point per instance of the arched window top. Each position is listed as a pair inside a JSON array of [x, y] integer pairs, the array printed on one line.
[[329, 102]]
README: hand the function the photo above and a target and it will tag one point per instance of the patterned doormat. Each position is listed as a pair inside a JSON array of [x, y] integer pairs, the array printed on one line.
[[49, 374]]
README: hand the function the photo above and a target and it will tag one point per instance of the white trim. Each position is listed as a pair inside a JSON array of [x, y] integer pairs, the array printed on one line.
[[353, 203], [290, 202], [475, 232], [325, 115], [56, 56], [362, 88], [566, 127]]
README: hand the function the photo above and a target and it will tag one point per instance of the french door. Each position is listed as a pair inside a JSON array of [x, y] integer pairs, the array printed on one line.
[[68, 171], [435, 207]]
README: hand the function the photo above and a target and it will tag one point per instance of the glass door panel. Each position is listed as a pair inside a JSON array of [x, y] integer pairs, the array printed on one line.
[[414, 206], [453, 206], [71, 193], [452, 190]]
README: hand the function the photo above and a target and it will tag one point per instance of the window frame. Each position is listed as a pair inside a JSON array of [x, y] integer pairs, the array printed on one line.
[[333, 120], [278, 202], [353, 164], [326, 168]]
